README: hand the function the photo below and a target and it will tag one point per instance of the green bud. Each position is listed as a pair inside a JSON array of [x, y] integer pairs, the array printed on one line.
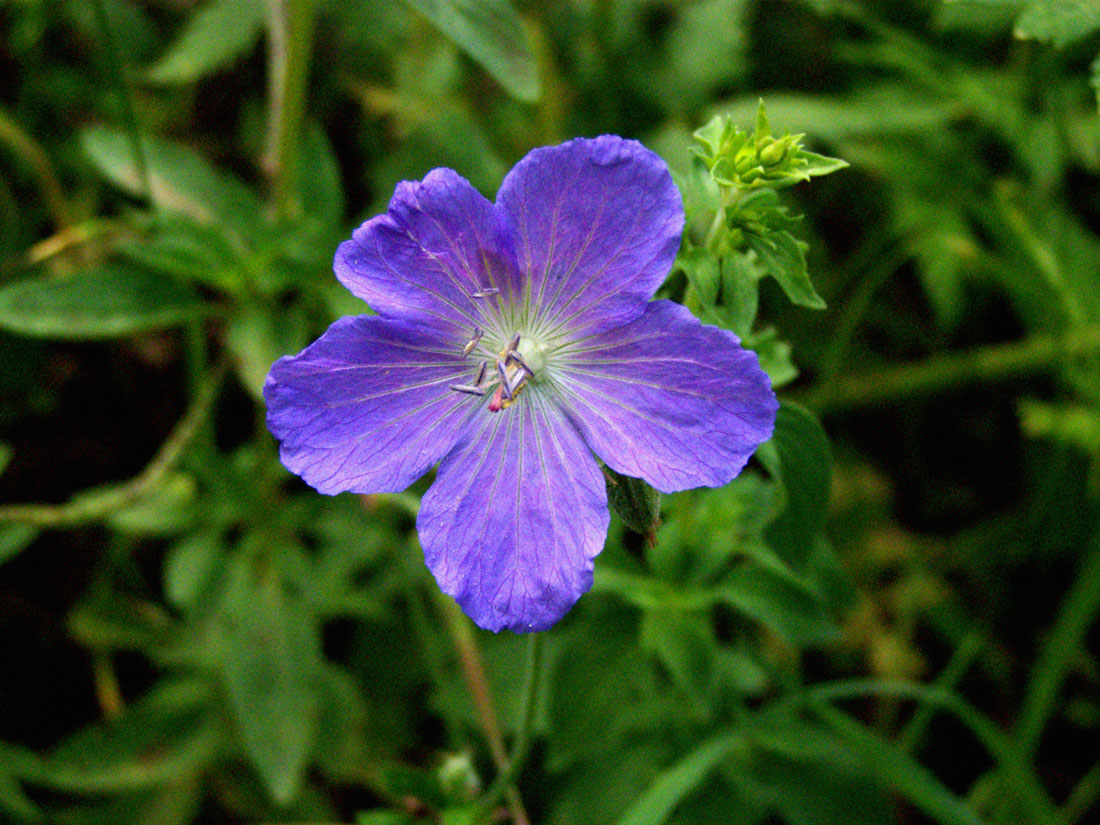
[[773, 153], [752, 175], [638, 504], [459, 778]]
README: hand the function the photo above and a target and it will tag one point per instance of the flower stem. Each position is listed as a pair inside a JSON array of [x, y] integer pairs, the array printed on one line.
[[942, 372], [117, 68], [290, 41], [505, 782], [473, 669], [95, 506], [31, 152]]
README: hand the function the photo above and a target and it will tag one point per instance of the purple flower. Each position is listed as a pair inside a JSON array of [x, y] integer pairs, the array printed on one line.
[[514, 343]]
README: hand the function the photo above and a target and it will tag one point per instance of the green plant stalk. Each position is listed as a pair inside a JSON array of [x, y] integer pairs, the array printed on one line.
[[1060, 650], [942, 372], [1009, 761], [290, 42], [1082, 798], [960, 662], [98, 505], [30, 152], [117, 67], [507, 778], [473, 669]]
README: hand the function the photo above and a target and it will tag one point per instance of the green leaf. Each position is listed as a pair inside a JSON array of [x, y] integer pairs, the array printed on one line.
[[191, 565], [1059, 22], [703, 273], [812, 778], [776, 598], [671, 787], [167, 510], [257, 336], [111, 301], [801, 461], [638, 504], [182, 247], [492, 33], [215, 35], [784, 258], [271, 661], [6, 452], [896, 768], [14, 539], [685, 645], [163, 738], [181, 180]]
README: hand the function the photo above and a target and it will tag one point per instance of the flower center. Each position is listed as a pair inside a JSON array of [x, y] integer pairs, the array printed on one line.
[[520, 361]]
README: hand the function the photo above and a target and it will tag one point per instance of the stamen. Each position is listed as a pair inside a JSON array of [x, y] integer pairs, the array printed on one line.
[[516, 382], [486, 292], [473, 342], [481, 374], [513, 343], [503, 373], [515, 356], [469, 389]]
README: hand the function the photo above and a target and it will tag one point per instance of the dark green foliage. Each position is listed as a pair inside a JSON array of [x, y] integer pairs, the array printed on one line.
[[888, 617]]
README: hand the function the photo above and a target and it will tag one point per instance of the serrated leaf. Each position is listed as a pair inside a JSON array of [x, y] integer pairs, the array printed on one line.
[[271, 661], [655, 805], [111, 301], [216, 34], [803, 465], [492, 33], [1059, 22], [784, 258], [181, 180]]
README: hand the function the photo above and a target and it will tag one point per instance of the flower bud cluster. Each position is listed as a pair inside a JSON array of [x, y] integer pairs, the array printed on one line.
[[747, 161]]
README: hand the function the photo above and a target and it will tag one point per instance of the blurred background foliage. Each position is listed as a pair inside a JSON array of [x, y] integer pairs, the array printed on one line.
[[897, 627]]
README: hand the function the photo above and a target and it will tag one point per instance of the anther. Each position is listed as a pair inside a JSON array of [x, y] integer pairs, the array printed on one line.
[[515, 356], [513, 343], [504, 384], [469, 389], [481, 374], [473, 342], [487, 292]]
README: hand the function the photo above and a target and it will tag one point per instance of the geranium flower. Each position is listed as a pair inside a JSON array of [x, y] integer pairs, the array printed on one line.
[[514, 343]]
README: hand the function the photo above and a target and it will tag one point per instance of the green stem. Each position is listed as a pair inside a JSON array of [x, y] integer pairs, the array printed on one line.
[[290, 41], [117, 68], [31, 152], [97, 505], [1061, 649], [1029, 791], [473, 669], [942, 372], [960, 662], [1081, 799], [506, 779]]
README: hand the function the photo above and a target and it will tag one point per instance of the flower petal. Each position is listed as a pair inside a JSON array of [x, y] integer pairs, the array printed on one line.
[[667, 399], [598, 224], [439, 243], [367, 407], [515, 517]]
